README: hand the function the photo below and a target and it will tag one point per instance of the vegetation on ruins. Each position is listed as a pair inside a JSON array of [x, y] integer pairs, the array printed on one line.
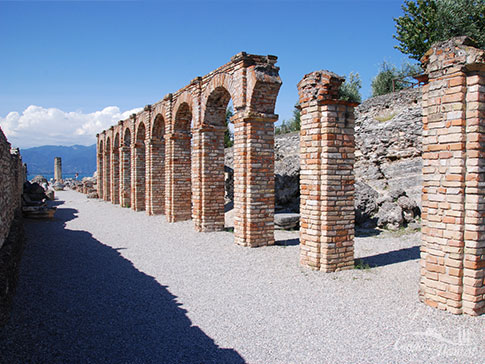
[[350, 89], [390, 78], [288, 126], [428, 21]]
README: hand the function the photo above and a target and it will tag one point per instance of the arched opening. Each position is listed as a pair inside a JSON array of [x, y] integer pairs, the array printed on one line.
[[107, 171], [140, 170], [157, 166], [181, 165], [125, 187], [212, 139], [100, 169], [115, 191]]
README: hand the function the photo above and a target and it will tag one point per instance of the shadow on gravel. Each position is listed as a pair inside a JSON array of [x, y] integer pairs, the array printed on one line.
[[392, 257], [80, 301], [365, 233], [288, 242]]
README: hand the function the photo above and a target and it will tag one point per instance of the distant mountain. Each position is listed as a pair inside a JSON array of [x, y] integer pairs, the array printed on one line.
[[75, 159]]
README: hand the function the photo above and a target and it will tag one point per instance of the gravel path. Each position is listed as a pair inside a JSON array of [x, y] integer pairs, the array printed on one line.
[[104, 284]]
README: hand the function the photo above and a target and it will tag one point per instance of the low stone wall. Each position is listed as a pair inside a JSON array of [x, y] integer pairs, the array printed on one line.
[[12, 177]]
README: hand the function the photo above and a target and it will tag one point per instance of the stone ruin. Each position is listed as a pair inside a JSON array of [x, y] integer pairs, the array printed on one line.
[[12, 177], [169, 159]]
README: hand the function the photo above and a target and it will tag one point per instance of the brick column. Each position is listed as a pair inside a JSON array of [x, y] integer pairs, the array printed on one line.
[[99, 174], [326, 176], [138, 177], [254, 179], [453, 216], [115, 176], [178, 177], [106, 174], [208, 178], [125, 174], [156, 164]]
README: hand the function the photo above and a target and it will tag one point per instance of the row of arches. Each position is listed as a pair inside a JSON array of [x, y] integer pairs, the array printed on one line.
[[169, 158]]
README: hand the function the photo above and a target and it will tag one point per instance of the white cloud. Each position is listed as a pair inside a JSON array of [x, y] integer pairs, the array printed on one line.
[[40, 126]]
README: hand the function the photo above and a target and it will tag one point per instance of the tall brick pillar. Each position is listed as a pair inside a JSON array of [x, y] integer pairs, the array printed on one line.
[[326, 176], [453, 216], [115, 175], [178, 176], [138, 176], [254, 179], [125, 174], [156, 163], [107, 172], [208, 178], [100, 169]]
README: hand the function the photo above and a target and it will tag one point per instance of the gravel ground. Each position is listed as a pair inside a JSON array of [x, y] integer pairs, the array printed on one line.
[[104, 284]]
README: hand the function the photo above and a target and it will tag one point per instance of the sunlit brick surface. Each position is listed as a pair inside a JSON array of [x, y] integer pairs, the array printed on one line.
[[453, 216]]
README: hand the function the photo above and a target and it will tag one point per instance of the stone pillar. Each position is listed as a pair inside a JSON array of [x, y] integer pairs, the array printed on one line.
[[453, 216], [57, 169], [326, 176], [208, 178], [254, 180], [178, 203], [125, 174]]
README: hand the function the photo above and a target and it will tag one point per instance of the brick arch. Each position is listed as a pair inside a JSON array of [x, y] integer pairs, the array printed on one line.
[[140, 133], [182, 102], [223, 81], [253, 83], [156, 166], [179, 194], [127, 136], [142, 118], [158, 128], [116, 143], [183, 119], [214, 110], [263, 87], [208, 181]]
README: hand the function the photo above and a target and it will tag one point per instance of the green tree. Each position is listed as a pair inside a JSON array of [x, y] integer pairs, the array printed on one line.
[[288, 126], [228, 137], [390, 78], [349, 90], [428, 21]]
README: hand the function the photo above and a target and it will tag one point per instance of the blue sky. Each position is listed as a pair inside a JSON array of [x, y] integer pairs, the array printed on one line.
[[73, 59]]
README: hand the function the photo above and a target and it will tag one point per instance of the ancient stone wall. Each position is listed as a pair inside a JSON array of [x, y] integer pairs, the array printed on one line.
[[11, 184], [453, 218], [171, 154], [327, 177], [12, 177]]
